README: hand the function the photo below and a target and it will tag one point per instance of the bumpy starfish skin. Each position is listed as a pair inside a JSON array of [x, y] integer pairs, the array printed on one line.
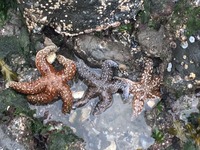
[[52, 83], [147, 88], [102, 85]]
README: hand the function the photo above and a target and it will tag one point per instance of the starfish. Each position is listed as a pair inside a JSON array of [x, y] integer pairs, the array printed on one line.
[[100, 85], [147, 88], [52, 83]]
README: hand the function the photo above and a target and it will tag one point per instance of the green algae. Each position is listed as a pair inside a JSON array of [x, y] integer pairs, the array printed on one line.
[[66, 138], [8, 74], [126, 28], [158, 135], [11, 100], [5, 5], [13, 45], [188, 133], [46, 136], [186, 14]]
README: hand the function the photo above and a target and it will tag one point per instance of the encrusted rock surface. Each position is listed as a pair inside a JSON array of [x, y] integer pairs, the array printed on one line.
[[95, 50], [70, 17], [155, 43]]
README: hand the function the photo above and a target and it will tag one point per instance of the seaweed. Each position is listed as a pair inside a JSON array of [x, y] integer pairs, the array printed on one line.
[[186, 14], [158, 135], [5, 5], [53, 135], [188, 133], [8, 74]]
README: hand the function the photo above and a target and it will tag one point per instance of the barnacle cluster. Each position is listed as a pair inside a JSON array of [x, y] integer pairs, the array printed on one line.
[[184, 65], [77, 17]]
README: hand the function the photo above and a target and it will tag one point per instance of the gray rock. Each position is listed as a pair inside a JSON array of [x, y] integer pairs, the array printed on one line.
[[76, 16], [115, 128], [96, 50], [184, 106], [8, 143], [155, 43]]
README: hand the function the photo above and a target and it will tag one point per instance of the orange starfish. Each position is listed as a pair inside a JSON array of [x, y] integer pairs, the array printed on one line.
[[147, 88], [52, 83]]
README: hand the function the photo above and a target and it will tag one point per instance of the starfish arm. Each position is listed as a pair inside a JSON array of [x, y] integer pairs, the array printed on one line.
[[86, 73], [124, 87], [125, 93], [41, 98], [40, 61], [107, 69], [32, 87], [105, 101], [69, 67], [127, 86], [67, 99], [156, 81], [155, 88], [154, 94], [138, 104], [147, 74], [88, 95]]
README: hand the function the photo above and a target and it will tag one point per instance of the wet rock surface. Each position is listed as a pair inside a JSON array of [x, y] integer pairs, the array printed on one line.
[[79, 16], [185, 59], [20, 129], [7, 143], [155, 43], [169, 125], [112, 129], [183, 77], [185, 106], [95, 50]]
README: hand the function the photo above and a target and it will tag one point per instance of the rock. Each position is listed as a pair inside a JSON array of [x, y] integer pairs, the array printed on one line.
[[96, 50], [7, 142], [184, 106], [77, 17], [155, 43], [112, 129], [186, 61]]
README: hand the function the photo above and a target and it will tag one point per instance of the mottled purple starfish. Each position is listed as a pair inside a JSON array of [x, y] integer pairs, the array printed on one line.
[[147, 88], [102, 85]]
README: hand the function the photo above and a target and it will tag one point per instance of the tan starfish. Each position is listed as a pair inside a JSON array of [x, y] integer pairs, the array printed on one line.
[[147, 88], [52, 83]]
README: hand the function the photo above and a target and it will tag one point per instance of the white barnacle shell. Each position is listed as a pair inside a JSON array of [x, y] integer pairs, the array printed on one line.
[[169, 67], [189, 86], [184, 44], [44, 19], [192, 39], [51, 57]]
